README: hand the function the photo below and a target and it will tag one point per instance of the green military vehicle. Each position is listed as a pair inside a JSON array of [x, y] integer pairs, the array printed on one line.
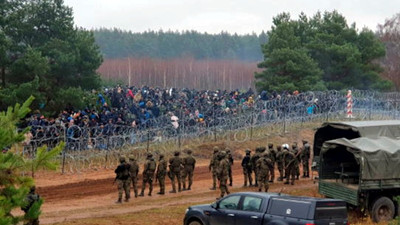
[[358, 163]]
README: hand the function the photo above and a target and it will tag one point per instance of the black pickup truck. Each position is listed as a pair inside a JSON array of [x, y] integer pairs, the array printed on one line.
[[252, 208]]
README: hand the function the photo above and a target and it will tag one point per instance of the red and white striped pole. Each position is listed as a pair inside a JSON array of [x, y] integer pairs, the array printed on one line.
[[349, 107]]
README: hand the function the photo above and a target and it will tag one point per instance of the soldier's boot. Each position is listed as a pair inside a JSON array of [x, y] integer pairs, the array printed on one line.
[[136, 194], [304, 175], [280, 179], [259, 190], [230, 183], [184, 186], [179, 187], [127, 198], [142, 193], [292, 183], [119, 201], [150, 190], [173, 189], [287, 182], [190, 185], [297, 177]]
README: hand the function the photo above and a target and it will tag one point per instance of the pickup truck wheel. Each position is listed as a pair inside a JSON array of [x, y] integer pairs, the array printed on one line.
[[382, 210], [195, 222]]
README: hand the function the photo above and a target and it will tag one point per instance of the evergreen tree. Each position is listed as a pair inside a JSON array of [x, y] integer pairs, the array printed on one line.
[[13, 186], [318, 53]]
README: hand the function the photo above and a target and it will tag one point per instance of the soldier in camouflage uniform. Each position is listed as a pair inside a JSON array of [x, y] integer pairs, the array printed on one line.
[[279, 162], [253, 161], [272, 157], [230, 159], [123, 179], [290, 163], [148, 174], [31, 199], [305, 158], [189, 163], [160, 173], [246, 165], [223, 173], [134, 172], [213, 167], [296, 152], [264, 165], [175, 164]]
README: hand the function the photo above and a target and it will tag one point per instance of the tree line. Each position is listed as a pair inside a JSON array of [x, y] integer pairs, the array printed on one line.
[[180, 73], [116, 43], [321, 52], [43, 54]]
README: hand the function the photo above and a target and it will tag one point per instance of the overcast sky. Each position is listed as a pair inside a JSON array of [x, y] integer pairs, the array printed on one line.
[[214, 16]]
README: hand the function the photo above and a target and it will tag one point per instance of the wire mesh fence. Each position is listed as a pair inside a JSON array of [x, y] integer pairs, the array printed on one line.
[[100, 146]]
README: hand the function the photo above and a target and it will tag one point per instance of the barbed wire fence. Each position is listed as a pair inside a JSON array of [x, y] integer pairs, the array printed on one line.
[[92, 148]]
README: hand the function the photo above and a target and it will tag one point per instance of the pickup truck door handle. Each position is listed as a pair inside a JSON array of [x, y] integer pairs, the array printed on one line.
[[230, 214], [254, 217]]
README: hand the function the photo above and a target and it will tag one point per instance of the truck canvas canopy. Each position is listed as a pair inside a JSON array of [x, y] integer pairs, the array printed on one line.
[[355, 129], [378, 158]]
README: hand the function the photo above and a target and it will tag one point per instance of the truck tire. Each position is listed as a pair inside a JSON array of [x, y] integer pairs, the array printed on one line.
[[382, 210], [195, 222]]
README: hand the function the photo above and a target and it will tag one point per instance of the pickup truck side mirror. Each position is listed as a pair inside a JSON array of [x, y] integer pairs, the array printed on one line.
[[214, 205]]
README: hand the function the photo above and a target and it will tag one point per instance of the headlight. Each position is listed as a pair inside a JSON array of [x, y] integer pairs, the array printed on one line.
[[187, 210]]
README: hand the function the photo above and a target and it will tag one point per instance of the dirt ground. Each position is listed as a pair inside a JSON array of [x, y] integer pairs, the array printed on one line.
[[89, 197]]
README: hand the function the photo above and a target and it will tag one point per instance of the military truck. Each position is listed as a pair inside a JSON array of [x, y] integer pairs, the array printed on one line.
[[362, 167]]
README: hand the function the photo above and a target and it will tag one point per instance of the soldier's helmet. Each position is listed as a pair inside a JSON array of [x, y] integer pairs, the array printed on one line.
[[216, 149], [189, 151], [149, 155], [262, 149], [222, 154], [265, 154], [32, 189], [176, 153], [270, 145], [305, 141], [131, 157], [228, 150], [247, 151], [121, 159], [161, 156]]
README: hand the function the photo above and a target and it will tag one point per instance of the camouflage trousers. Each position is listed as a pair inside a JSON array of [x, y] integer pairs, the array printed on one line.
[[247, 176], [263, 181], [124, 185], [223, 186], [280, 169], [176, 175], [148, 178], [230, 175], [135, 185], [255, 176], [161, 182], [291, 174], [187, 174], [214, 177], [306, 167], [272, 172], [32, 222]]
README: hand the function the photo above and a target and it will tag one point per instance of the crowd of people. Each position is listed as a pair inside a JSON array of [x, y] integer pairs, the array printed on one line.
[[120, 108]]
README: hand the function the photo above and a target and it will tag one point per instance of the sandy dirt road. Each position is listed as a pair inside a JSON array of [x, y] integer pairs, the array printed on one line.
[[92, 195]]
